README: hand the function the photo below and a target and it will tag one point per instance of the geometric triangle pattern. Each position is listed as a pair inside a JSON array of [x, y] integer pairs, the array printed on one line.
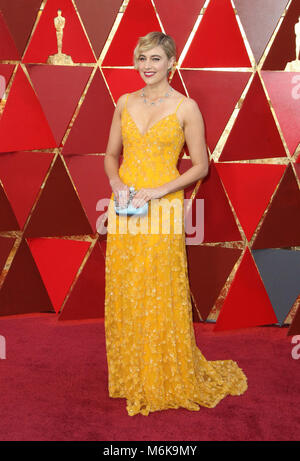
[[210, 89], [138, 19], [249, 188], [295, 325], [219, 221], [85, 136], [31, 295], [234, 58], [28, 169], [23, 125], [85, 172], [220, 29], [6, 245], [283, 91], [283, 48], [262, 140], [58, 100], [58, 261], [98, 18], [247, 303], [8, 220], [43, 42], [281, 225], [6, 71], [8, 49], [186, 11], [280, 273], [20, 17], [86, 300], [259, 19], [209, 268], [58, 211]]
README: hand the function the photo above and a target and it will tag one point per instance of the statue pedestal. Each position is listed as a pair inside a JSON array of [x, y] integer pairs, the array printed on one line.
[[293, 66], [60, 58]]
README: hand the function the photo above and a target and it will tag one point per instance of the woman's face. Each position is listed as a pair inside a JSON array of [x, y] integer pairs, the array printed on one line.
[[153, 64]]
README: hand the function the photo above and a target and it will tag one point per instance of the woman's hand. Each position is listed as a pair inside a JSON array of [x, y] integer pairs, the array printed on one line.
[[120, 190], [143, 195]]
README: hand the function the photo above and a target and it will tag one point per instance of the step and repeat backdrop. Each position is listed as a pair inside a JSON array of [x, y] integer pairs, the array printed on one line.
[[63, 66]]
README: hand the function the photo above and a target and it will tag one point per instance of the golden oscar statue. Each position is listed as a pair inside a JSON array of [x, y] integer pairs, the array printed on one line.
[[59, 57], [294, 66]]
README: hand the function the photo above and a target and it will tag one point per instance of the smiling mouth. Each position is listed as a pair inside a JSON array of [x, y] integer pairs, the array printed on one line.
[[149, 74]]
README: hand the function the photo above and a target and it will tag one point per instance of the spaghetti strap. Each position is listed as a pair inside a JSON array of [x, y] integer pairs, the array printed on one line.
[[179, 104], [126, 100]]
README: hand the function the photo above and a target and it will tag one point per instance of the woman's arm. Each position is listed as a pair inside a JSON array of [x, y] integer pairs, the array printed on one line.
[[113, 150], [194, 133], [114, 145]]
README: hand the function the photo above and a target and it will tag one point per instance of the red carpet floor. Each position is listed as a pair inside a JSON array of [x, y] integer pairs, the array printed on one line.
[[53, 386]]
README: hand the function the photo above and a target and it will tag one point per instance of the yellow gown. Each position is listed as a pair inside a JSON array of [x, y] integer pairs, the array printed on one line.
[[152, 357]]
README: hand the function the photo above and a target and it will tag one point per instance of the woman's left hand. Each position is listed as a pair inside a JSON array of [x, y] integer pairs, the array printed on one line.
[[143, 195]]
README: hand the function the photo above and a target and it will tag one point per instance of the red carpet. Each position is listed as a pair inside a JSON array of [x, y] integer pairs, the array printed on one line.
[[53, 386]]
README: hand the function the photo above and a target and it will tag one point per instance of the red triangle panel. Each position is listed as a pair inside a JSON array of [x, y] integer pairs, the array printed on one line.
[[249, 187], [58, 211], [283, 48], [8, 49], [91, 183], [43, 43], [219, 222], [31, 294], [217, 94], [171, 10], [139, 19], [283, 90], [218, 41], [254, 134], [247, 303], [23, 125], [58, 261], [59, 89], [22, 174], [86, 301], [6, 244], [209, 268], [281, 225], [20, 17], [98, 19], [259, 20], [90, 131], [8, 220]]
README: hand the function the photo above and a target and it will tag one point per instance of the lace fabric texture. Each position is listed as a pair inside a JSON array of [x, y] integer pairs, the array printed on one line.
[[153, 360]]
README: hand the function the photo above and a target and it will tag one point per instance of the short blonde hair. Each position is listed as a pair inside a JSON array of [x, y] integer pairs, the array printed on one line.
[[151, 40]]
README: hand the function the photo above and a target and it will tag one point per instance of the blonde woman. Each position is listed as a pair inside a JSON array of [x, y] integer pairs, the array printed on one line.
[[153, 360]]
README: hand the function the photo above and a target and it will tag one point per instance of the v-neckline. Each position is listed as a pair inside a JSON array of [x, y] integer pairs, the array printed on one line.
[[151, 126]]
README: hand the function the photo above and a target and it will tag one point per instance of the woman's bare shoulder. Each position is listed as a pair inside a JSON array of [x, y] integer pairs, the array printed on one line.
[[187, 103], [121, 100], [190, 106]]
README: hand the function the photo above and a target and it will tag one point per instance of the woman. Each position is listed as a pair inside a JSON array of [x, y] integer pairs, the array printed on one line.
[[153, 359]]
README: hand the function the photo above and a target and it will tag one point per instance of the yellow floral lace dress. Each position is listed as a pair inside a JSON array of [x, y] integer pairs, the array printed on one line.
[[153, 360]]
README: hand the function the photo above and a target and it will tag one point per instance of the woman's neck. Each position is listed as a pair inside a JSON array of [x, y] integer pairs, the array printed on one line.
[[157, 90]]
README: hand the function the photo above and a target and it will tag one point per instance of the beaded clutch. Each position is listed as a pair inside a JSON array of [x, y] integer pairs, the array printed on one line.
[[128, 209]]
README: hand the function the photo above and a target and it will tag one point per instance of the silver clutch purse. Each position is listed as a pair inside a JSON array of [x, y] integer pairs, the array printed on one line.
[[128, 209]]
